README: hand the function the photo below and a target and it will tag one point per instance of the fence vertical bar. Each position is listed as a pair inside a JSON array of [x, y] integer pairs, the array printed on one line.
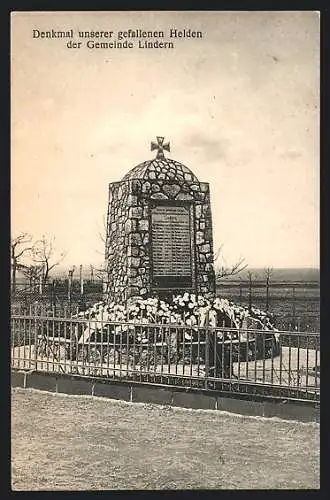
[[12, 342], [198, 350], [214, 341], [87, 351], [230, 373], [307, 364], [62, 344], [298, 357], [224, 335], [30, 340], [207, 360], [24, 339], [161, 353], [289, 375], [44, 329], [128, 348], [315, 373], [183, 343], [18, 341], [71, 340], [80, 341], [169, 349], [42, 337], [93, 357], [120, 350], [53, 342], [140, 344], [15, 342], [113, 343], [255, 333], [107, 350], [27, 337], [263, 355], [272, 362], [176, 359], [35, 341], [155, 351], [247, 353], [281, 360], [191, 356], [239, 356], [148, 352], [101, 345], [115, 330], [59, 343], [134, 351], [76, 334]]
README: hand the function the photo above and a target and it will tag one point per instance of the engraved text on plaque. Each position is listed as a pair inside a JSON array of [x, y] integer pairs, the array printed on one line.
[[171, 245]]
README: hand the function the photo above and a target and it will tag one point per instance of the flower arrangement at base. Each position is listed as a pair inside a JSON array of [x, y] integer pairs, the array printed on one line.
[[178, 326]]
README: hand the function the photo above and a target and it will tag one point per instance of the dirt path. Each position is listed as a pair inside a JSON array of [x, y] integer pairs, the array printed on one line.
[[62, 442]]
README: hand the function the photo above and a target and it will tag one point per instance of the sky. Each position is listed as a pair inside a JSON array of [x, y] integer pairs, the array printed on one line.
[[240, 107]]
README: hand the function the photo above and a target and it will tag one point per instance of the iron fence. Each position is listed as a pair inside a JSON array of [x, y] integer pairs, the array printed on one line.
[[56, 298], [294, 307], [264, 362]]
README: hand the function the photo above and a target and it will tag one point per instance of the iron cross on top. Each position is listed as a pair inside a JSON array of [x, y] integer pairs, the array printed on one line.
[[161, 147]]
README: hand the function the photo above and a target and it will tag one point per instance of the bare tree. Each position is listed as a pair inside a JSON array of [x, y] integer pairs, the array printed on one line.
[[43, 256], [33, 273], [268, 274], [103, 232], [20, 245], [102, 235], [100, 272], [222, 269]]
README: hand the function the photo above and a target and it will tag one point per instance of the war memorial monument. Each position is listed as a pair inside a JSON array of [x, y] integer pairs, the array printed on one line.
[[159, 231]]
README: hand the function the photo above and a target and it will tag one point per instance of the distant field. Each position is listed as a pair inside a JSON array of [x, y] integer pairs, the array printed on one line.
[[293, 304], [62, 442]]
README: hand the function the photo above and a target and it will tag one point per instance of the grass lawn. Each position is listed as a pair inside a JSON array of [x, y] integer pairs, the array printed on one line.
[[62, 442]]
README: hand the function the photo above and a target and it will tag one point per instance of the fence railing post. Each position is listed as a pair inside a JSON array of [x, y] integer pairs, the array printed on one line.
[[35, 339], [207, 350]]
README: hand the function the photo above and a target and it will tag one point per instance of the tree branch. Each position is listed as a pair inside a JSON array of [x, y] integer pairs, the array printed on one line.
[[42, 254], [222, 271]]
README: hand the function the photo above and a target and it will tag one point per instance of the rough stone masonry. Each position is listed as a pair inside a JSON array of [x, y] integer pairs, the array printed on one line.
[[159, 231]]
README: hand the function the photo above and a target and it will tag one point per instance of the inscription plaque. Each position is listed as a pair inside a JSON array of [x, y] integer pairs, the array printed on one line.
[[171, 246]]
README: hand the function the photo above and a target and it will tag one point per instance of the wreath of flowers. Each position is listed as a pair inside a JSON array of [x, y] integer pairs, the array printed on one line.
[[188, 310]]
